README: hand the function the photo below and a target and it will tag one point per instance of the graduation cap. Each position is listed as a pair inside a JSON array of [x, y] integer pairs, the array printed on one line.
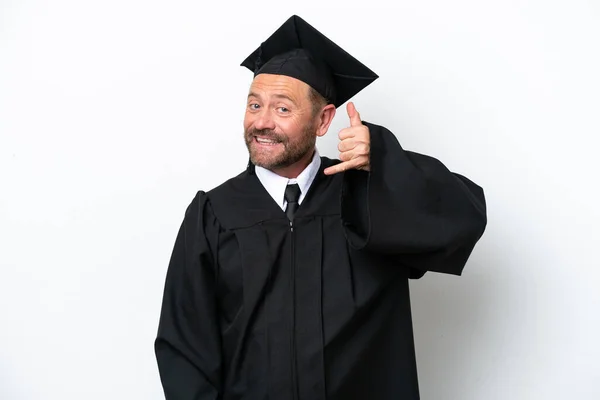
[[298, 50]]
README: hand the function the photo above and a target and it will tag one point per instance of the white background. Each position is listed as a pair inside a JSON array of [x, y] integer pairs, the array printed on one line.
[[114, 113]]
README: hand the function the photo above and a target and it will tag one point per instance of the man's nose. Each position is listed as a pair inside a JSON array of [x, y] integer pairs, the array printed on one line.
[[265, 120]]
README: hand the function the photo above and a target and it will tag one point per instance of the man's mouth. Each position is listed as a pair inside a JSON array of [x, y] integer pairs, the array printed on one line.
[[266, 141]]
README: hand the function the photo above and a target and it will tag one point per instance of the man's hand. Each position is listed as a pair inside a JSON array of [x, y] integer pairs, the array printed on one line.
[[355, 145]]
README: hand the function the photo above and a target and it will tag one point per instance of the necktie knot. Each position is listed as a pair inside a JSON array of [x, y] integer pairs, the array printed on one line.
[[292, 195]]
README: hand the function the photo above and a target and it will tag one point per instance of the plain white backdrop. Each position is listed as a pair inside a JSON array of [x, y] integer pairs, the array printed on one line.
[[113, 114]]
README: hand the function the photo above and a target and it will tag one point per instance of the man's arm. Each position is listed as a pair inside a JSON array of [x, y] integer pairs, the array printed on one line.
[[188, 344], [411, 206]]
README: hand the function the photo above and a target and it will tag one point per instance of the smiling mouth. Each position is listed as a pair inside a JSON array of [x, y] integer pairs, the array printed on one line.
[[265, 141]]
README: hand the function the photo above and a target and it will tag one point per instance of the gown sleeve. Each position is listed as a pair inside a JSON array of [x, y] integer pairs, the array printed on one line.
[[188, 345], [412, 208]]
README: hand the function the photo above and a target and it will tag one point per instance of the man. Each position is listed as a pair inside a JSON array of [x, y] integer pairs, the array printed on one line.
[[290, 281]]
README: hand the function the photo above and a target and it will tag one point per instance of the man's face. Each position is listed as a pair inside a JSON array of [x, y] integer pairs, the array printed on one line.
[[279, 126]]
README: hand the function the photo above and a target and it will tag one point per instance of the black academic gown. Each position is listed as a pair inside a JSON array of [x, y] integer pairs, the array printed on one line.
[[255, 308]]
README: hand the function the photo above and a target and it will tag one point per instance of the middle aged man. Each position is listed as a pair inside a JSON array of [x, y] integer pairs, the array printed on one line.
[[290, 281]]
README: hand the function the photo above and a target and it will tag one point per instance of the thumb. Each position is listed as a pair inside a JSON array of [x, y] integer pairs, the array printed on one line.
[[353, 114]]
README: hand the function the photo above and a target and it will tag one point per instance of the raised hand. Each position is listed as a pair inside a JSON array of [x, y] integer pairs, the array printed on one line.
[[355, 145]]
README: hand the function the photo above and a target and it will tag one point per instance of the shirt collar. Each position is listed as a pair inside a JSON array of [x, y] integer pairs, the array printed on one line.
[[275, 184]]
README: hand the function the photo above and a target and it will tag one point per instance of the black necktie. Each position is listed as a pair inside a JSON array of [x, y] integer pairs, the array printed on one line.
[[292, 195]]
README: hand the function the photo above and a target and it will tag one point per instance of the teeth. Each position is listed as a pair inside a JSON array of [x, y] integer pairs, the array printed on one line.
[[269, 141]]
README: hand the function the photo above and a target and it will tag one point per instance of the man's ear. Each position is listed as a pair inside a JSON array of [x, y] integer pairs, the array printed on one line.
[[325, 119]]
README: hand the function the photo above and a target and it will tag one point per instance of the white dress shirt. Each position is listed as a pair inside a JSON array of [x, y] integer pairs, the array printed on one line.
[[276, 184]]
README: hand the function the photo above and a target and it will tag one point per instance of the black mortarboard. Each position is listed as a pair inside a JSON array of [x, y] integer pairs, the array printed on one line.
[[298, 50]]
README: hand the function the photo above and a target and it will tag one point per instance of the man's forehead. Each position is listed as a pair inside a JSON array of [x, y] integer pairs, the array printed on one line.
[[278, 84]]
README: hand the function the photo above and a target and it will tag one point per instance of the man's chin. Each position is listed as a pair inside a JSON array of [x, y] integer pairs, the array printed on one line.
[[265, 162], [271, 161]]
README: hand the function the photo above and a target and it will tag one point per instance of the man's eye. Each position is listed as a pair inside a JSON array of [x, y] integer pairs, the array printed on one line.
[[253, 106], [284, 109]]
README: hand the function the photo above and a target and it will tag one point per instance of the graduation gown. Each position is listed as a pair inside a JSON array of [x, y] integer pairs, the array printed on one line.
[[256, 307]]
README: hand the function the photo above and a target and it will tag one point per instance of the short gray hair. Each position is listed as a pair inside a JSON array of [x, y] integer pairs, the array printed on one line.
[[317, 100]]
